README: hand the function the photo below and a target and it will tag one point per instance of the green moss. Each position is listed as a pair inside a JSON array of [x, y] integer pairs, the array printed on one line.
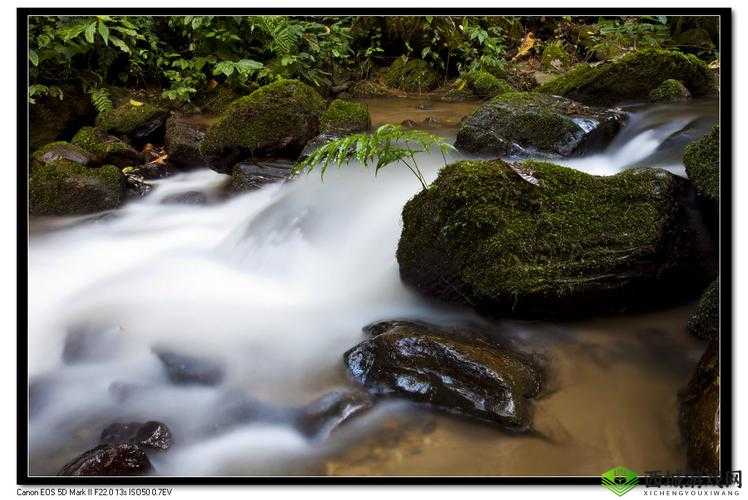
[[701, 159], [670, 91], [345, 117], [98, 144], [484, 84], [63, 187], [631, 77], [283, 115], [555, 56], [413, 75], [704, 322], [541, 238], [127, 117], [368, 88], [60, 150]]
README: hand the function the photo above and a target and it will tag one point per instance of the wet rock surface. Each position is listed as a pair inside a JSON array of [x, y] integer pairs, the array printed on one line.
[[152, 434], [322, 416], [185, 369], [699, 414], [516, 121], [251, 176], [182, 140], [422, 363], [109, 460]]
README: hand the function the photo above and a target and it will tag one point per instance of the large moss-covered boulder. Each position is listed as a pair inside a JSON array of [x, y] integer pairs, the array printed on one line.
[[140, 121], [278, 118], [411, 75], [52, 118], [63, 187], [345, 117], [670, 91], [699, 414], [106, 149], [538, 239], [701, 159], [704, 322], [632, 77], [484, 84], [532, 120], [448, 369]]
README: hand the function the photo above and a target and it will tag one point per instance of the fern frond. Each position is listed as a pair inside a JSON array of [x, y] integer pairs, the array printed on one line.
[[100, 99]]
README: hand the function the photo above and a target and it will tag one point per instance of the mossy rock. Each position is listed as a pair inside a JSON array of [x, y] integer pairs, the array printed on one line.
[[539, 121], [60, 150], [105, 149], [369, 88], [182, 139], [217, 100], [52, 119], [670, 91], [696, 41], [699, 418], [345, 117], [555, 56], [63, 187], [704, 322], [631, 77], [484, 84], [412, 75], [701, 159], [541, 240], [140, 121], [278, 118]]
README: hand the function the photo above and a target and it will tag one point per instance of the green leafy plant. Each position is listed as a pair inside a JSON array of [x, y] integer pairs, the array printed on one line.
[[100, 99], [389, 144]]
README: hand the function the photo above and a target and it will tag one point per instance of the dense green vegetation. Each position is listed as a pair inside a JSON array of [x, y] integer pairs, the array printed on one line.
[[181, 57]]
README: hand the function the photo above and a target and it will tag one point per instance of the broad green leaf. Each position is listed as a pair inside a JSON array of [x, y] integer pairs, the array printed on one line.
[[90, 32], [104, 32]]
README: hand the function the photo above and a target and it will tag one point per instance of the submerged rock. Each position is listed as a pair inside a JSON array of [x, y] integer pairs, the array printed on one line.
[[547, 123], [473, 378], [411, 75], [322, 416], [63, 187], [85, 343], [278, 118], [701, 159], [537, 239], [632, 77], [699, 414], [704, 322], [251, 176], [345, 117], [106, 149], [182, 139], [124, 459], [152, 434], [187, 369]]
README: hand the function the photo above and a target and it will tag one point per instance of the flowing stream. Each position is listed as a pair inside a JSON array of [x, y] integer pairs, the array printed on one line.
[[276, 285]]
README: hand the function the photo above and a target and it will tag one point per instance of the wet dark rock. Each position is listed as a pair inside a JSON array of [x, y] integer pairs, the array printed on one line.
[[90, 343], [515, 121], [318, 142], [188, 198], [251, 176], [151, 171], [140, 122], [704, 322], [187, 369], [474, 378], [122, 392], [109, 460], [540, 240], [106, 149], [699, 414], [324, 415], [151, 434], [183, 138]]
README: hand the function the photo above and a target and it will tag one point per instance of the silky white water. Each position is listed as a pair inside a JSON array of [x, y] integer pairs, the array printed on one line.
[[274, 284]]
